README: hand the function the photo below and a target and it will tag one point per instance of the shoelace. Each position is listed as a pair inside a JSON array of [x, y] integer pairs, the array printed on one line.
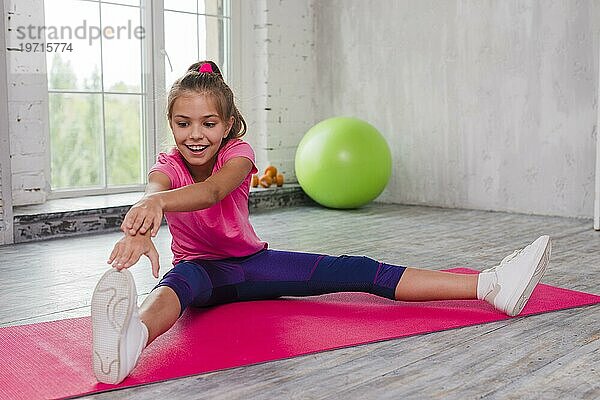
[[511, 256], [505, 260]]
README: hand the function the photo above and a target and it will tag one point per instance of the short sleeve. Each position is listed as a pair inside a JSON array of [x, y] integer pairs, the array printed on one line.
[[237, 148], [167, 164]]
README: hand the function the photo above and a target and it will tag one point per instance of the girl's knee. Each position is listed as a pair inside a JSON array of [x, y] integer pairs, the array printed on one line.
[[190, 283]]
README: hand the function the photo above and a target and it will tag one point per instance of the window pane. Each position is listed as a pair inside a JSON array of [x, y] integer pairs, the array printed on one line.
[[212, 34], [181, 43], [121, 48], [80, 68], [181, 5], [123, 139], [75, 140], [212, 7]]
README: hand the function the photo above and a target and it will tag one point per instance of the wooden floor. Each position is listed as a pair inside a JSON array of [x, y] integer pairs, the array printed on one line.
[[550, 356]]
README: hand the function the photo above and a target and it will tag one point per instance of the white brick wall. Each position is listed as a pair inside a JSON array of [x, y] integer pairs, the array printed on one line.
[[2, 223], [6, 229], [292, 66], [27, 107], [3, 125], [251, 72], [278, 78]]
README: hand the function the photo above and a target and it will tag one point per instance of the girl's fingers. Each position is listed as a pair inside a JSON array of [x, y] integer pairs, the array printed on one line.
[[136, 223], [129, 218], [124, 256], [127, 225], [156, 225], [113, 254], [146, 225], [117, 253], [152, 254], [133, 258]]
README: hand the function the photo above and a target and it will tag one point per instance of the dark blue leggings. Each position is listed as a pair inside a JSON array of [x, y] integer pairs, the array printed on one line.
[[270, 274]]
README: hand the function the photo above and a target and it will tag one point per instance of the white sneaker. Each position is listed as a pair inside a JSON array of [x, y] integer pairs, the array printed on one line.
[[118, 334], [508, 286]]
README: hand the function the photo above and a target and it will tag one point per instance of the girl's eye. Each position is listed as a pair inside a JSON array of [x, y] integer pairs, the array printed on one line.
[[182, 124], [209, 124]]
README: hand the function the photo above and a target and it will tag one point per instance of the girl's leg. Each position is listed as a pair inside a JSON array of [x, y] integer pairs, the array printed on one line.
[[273, 273], [187, 283], [160, 311], [190, 283], [506, 286], [121, 330], [424, 285]]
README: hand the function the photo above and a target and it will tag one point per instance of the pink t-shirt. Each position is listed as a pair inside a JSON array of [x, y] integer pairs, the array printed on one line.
[[217, 232]]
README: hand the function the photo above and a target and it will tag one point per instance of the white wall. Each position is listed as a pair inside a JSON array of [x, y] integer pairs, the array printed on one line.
[[27, 107], [485, 104], [6, 214], [276, 68]]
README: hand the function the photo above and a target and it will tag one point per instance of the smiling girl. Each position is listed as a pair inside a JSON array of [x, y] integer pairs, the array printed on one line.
[[201, 187]]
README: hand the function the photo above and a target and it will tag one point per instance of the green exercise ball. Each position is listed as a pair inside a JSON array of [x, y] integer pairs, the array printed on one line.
[[343, 162]]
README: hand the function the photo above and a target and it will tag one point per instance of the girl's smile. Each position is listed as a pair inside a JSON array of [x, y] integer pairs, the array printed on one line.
[[199, 131]]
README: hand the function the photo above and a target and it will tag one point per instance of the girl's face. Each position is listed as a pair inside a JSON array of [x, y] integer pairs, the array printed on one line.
[[198, 132]]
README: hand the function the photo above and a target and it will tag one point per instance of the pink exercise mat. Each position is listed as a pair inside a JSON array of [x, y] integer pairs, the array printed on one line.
[[53, 359]]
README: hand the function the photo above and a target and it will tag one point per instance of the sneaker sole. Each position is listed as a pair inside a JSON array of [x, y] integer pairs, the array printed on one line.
[[111, 312], [535, 279]]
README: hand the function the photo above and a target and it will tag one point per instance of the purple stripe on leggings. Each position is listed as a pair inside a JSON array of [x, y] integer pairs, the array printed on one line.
[[315, 266], [377, 274]]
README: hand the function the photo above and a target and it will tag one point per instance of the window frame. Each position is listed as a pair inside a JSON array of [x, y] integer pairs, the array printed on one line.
[[155, 129]]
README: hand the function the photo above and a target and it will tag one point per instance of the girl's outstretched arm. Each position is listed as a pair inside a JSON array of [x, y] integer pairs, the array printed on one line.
[[157, 182], [148, 212], [128, 250]]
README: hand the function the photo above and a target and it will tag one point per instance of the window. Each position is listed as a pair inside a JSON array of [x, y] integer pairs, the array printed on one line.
[[102, 118], [194, 31]]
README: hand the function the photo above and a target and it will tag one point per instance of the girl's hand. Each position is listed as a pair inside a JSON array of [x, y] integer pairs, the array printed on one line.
[[146, 213], [129, 249]]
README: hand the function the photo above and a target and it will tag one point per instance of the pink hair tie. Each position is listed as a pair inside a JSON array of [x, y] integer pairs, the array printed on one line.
[[206, 67]]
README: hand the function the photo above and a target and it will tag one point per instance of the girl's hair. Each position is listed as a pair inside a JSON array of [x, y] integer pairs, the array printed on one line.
[[209, 81]]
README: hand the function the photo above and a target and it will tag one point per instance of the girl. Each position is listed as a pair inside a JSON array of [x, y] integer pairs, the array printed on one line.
[[202, 188]]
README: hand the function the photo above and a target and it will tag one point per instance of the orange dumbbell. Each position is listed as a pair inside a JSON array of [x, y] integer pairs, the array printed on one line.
[[265, 181], [271, 171], [279, 180]]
